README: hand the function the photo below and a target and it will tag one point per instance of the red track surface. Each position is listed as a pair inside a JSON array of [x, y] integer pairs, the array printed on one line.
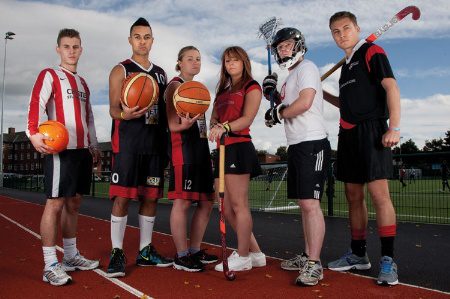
[[21, 269]]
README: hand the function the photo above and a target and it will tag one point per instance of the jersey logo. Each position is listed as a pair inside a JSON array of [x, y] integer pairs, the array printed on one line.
[[153, 181], [353, 64], [283, 92]]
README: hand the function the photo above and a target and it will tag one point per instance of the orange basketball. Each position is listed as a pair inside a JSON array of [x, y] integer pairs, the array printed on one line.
[[191, 97], [139, 89], [58, 132]]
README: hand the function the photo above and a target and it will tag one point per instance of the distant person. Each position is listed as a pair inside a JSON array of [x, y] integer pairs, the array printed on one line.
[[139, 140], [368, 98], [402, 173], [412, 175], [192, 179], [63, 95], [444, 175], [270, 175]]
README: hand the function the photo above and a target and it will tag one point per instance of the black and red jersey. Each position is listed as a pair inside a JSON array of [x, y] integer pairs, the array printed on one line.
[[189, 146], [230, 106], [149, 133], [361, 95]]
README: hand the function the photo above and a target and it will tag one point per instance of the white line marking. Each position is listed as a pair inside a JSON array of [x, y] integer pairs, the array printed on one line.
[[115, 281]]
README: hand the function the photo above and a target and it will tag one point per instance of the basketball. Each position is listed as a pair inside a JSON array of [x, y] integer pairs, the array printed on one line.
[[58, 132], [191, 97], [140, 89]]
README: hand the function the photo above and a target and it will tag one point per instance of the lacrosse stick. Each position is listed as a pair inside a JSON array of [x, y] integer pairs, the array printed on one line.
[[230, 275], [267, 31], [414, 10]]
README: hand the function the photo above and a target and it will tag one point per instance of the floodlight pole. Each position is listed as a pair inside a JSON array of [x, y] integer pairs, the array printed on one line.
[[8, 35]]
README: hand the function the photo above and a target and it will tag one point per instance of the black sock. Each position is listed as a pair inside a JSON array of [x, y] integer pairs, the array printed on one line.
[[358, 247], [387, 246]]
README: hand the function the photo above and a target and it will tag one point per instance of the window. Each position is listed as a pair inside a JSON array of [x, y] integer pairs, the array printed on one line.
[[10, 156], [37, 166], [35, 155], [32, 166], [21, 156], [22, 146], [28, 145], [28, 156], [26, 166], [108, 154]]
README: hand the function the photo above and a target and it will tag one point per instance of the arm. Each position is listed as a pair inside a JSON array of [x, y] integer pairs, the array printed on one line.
[[392, 137], [251, 106], [333, 100], [300, 105], [40, 95], [176, 123], [116, 109]]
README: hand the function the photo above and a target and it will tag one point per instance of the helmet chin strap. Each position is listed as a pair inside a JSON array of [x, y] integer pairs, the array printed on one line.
[[287, 62]]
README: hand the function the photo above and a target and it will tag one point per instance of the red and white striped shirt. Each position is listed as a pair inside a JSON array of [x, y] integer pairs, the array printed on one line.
[[64, 97]]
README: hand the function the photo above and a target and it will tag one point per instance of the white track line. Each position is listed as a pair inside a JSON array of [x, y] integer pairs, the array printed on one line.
[[215, 245], [115, 281]]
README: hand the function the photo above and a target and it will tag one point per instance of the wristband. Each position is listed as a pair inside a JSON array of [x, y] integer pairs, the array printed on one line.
[[395, 129], [121, 115], [227, 127]]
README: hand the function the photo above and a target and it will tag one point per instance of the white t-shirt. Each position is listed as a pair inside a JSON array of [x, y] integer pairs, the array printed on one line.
[[309, 125]]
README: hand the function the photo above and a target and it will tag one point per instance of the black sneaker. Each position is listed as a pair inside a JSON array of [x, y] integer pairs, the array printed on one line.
[[116, 267], [205, 258], [148, 256], [187, 263]]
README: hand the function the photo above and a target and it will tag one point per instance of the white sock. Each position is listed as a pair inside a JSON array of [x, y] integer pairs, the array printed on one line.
[[146, 229], [70, 248], [118, 225], [50, 257]]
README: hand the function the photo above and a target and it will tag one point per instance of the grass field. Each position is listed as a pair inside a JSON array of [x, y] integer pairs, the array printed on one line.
[[420, 201]]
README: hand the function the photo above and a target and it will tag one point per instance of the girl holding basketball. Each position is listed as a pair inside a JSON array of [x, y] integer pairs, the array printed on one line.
[[191, 177], [237, 101]]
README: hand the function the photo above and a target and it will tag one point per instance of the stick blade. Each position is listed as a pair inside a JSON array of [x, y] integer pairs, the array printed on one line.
[[414, 10]]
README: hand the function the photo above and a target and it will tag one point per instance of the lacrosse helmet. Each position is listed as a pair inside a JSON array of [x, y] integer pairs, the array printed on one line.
[[299, 47]]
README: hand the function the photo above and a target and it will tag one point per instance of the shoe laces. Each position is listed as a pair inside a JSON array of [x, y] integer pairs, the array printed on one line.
[[117, 257], [58, 270], [386, 266]]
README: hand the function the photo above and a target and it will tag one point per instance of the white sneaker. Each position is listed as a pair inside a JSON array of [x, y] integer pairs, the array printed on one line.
[[236, 263], [258, 259], [55, 275], [79, 262]]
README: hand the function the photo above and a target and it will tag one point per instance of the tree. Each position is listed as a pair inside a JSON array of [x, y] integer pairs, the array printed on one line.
[[282, 153], [261, 152], [435, 145]]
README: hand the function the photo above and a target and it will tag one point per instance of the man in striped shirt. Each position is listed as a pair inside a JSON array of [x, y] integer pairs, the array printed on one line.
[[60, 94]]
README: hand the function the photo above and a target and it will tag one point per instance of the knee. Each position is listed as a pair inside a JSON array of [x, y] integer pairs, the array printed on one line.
[[120, 204], [309, 206], [72, 204], [55, 206]]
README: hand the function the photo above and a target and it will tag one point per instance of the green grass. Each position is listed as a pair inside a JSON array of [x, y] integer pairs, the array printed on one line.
[[420, 201]]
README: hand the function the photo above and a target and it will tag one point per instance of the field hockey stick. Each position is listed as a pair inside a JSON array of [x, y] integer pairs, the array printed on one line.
[[230, 275], [267, 31], [414, 10]]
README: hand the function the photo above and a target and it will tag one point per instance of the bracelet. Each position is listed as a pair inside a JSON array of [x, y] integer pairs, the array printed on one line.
[[227, 127], [395, 129], [121, 115]]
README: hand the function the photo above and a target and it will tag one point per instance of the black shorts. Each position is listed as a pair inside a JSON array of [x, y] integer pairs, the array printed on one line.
[[308, 164], [192, 182], [361, 156], [68, 173], [240, 158], [137, 176]]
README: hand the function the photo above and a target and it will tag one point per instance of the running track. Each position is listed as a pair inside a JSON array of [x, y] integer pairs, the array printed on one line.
[[21, 269]]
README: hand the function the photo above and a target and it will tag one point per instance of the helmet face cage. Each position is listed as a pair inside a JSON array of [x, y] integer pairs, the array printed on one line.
[[298, 50]]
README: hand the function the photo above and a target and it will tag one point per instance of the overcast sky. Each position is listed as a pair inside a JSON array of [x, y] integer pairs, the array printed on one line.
[[419, 51]]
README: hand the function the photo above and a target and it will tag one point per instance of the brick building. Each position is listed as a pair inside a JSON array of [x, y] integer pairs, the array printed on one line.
[[20, 157]]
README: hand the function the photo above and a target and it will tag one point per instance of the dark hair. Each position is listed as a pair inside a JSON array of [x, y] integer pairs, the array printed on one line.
[[341, 15], [140, 22], [67, 33], [225, 78], [181, 54]]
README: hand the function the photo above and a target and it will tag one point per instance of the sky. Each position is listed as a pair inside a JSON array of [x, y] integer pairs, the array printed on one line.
[[419, 51]]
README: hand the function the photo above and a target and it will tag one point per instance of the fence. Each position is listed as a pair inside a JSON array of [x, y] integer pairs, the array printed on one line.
[[422, 199]]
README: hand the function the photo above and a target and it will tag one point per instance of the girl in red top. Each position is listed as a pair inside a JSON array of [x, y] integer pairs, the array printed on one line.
[[237, 102]]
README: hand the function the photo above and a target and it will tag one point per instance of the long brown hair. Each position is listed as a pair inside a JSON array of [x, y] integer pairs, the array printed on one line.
[[225, 78]]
